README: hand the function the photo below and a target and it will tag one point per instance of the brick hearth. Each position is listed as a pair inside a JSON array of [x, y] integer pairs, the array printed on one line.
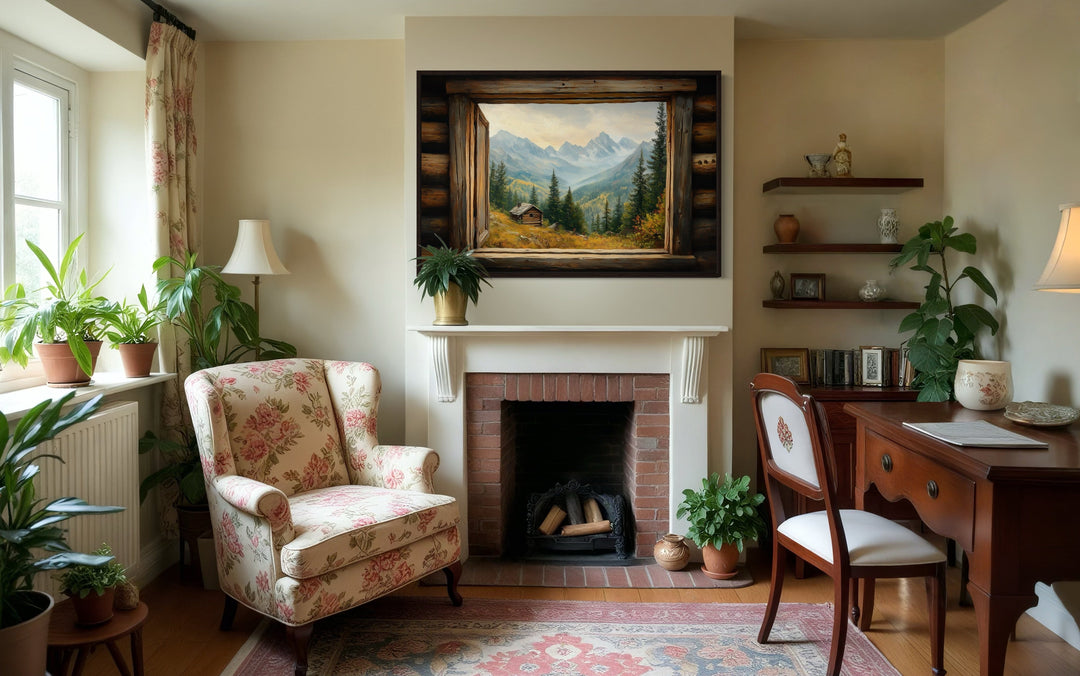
[[490, 446]]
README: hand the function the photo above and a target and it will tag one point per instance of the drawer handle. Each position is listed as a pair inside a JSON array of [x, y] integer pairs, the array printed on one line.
[[886, 462], [932, 489]]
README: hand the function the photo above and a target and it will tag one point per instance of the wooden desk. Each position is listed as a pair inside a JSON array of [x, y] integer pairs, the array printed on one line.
[[1015, 512]]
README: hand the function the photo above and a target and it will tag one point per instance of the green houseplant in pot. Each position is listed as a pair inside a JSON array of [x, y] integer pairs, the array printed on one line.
[[452, 278], [722, 516], [31, 539], [61, 324], [128, 330], [944, 332], [92, 588]]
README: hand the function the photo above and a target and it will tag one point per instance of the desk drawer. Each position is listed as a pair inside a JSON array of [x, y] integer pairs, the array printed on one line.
[[944, 499]]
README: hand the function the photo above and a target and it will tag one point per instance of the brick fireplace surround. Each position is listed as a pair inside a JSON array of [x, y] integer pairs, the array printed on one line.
[[490, 457]]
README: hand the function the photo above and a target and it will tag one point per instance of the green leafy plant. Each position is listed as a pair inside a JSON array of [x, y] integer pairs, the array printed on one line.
[[211, 327], [441, 265], [181, 464], [28, 525], [69, 311], [722, 512], [131, 324], [79, 579], [944, 333]]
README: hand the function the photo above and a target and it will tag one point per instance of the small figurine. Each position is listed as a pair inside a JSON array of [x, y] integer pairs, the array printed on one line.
[[841, 159], [777, 285]]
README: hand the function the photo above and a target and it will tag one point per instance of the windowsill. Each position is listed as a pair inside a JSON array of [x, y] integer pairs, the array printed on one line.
[[16, 403]]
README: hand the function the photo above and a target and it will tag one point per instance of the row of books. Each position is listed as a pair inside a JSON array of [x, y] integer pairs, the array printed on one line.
[[868, 365]]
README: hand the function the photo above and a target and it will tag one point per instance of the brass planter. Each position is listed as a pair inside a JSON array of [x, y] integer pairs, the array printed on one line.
[[450, 307]]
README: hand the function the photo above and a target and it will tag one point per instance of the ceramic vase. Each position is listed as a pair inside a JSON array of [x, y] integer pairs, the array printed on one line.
[[888, 226], [786, 227], [671, 552], [777, 286], [818, 164], [871, 291], [983, 385]]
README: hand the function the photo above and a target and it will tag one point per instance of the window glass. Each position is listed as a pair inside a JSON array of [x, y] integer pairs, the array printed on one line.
[[40, 225], [36, 118]]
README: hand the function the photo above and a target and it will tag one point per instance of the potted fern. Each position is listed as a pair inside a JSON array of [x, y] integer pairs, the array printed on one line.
[[30, 526], [452, 278], [93, 588], [128, 330], [722, 516]]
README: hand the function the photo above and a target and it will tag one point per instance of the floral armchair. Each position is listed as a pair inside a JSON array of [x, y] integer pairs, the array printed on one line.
[[311, 516]]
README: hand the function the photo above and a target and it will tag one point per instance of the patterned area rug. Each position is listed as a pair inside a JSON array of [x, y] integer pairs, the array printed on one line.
[[402, 636]]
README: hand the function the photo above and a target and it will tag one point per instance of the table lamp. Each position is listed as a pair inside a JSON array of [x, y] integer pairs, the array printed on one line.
[[254, 254], [1062, 271]]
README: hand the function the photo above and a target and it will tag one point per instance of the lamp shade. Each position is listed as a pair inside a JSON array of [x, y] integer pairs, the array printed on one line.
[[254, 252]]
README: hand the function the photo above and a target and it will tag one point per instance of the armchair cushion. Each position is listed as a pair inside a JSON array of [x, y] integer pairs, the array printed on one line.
[[872, 540], [340, 525]]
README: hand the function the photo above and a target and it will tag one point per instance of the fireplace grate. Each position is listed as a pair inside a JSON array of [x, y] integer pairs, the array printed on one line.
[[611, 508]]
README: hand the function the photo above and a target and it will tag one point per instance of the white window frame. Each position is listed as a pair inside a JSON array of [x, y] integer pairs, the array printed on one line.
[[31, 66]]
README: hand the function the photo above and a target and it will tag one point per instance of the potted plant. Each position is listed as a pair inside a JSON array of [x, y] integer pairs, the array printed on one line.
[[128, 330], [722, 516], [211, 329], [63, 322], [943, 333], [452, 278], [28, 527], [92, 588]]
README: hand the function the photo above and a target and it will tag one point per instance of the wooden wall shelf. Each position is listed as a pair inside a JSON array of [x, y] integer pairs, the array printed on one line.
[[831, 248], [839, 305], [796, 185]]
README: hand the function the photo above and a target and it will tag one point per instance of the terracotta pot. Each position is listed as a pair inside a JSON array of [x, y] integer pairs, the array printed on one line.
[[786, 227], [94, 608], [24, 645], [60, 366], [671, 552], [720, 564], [450, 307], [138, 358]]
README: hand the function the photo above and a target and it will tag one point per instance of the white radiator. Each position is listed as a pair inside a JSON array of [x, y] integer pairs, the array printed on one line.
[[101, 466]]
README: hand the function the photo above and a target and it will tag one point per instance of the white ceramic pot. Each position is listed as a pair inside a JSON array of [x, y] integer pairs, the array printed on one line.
[[983, 385]]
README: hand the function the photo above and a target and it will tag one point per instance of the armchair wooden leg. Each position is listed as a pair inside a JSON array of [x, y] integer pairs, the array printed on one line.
[[453, 574], [228, 614], [935, 601], [778, 564], [299, 638]]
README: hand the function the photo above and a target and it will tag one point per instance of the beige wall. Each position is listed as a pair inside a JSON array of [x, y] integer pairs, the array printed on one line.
[[653, 43], [310, 136], [1012, 125], [793, 98]]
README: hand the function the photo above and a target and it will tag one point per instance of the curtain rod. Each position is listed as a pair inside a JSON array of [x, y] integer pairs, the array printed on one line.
[[169, 18]]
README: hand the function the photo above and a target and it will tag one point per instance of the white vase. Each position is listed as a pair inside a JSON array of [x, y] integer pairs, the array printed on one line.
[[888, 226], [983, 385]]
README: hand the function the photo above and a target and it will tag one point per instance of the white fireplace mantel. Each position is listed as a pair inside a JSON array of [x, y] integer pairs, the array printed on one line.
[[441, 339]]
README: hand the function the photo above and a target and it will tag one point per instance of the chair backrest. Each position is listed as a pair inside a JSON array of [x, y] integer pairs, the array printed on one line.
[[296, 424], [793, 438]]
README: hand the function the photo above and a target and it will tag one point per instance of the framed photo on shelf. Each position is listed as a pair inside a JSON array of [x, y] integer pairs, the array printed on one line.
[[873, 366], [807, 286], [793, 362]]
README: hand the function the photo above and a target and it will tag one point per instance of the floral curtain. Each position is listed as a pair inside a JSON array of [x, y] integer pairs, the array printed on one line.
[[171, 151]]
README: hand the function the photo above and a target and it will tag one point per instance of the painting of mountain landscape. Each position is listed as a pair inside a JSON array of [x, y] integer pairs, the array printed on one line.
[[577, 176]]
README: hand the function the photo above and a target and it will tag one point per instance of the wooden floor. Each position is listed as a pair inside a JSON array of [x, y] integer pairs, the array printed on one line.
[[181, 636]]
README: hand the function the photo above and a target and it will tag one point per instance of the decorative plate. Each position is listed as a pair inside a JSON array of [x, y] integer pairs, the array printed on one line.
[[1040, 414]]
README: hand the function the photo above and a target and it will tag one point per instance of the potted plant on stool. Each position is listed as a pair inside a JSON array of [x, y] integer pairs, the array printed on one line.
[[452, 278], [722, 516], [92, 588], [29, 526]]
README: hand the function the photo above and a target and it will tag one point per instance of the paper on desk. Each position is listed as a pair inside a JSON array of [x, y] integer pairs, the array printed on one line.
[[976, 433]]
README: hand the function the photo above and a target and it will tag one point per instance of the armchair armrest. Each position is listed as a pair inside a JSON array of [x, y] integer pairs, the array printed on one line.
[[405, 467], [259, 500]]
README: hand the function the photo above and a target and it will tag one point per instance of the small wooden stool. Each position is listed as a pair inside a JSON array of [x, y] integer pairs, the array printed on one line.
[[67, 637]]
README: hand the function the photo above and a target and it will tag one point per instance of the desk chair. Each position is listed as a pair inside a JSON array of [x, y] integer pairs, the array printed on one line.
[[846, 544]]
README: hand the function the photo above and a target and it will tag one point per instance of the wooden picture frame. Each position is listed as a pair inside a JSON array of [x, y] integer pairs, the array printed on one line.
[[807, 286], [453, 183], [873, 366], [793, 362]]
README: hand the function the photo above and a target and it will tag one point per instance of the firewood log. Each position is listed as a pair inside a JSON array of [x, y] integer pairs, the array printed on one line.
[[551, 522], [588, 528]]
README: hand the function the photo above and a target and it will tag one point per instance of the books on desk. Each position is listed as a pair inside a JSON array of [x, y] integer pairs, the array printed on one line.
[[976, 433]]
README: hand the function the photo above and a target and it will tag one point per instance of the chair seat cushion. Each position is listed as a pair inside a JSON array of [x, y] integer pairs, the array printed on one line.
[[872, 540], [340, 525]]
